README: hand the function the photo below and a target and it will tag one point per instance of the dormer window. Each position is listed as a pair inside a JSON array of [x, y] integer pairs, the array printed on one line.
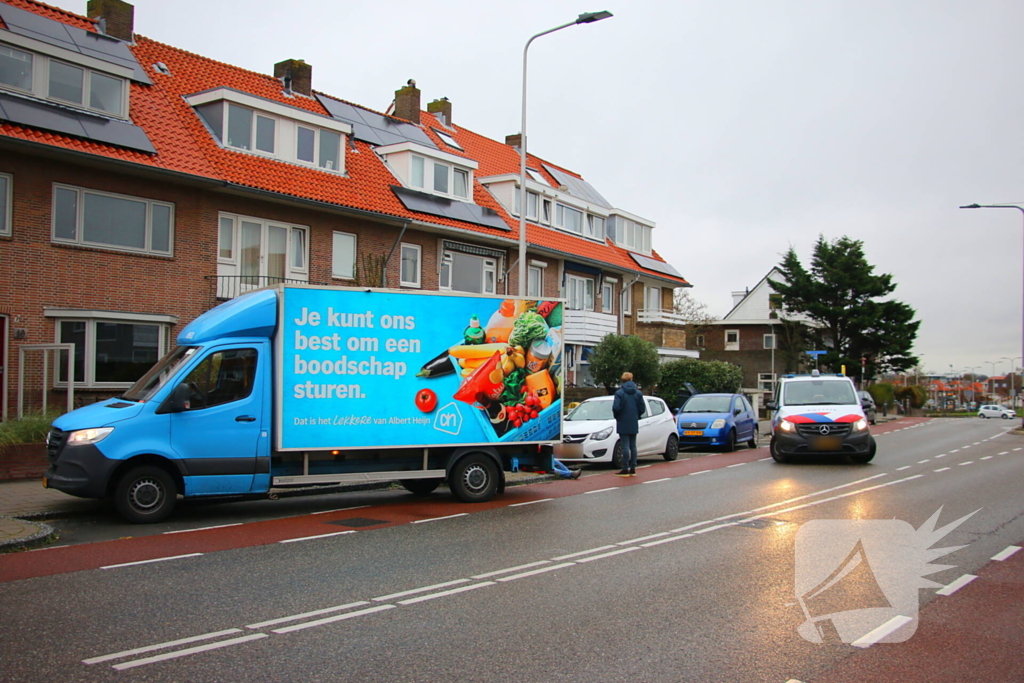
[[633, 235], [447, 139], [536, 176], [251, 124], [430, 170], [48, 78]]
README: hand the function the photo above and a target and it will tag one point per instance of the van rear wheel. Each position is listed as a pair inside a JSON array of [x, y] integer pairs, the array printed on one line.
[[474, 479], [145, 495]]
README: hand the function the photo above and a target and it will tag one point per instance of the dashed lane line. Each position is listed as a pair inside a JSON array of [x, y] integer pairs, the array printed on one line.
[[956, 585], [331, 620], [204, 528], [530, 502], [312, 538], [444, 594], [424, 589], [943, 469], [160, 646], [499, 572], [886, 629], [306, 615], [534, 572], [437, 519], [189, 651], [1005, 553], [159, 559]]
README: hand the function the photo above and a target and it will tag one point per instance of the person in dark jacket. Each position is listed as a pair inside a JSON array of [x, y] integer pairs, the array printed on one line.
[[628, 407]]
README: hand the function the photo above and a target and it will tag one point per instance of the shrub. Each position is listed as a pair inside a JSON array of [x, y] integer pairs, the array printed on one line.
[[618, 353], [706, 376], [30, 429]]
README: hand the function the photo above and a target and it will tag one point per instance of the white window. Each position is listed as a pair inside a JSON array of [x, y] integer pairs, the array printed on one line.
[[580, 293], [462, 272], [652, 298], [417, 172], [448, 139], [47, 78], [766, 381], [249, 130], [532, 199], [569, 218], [627, 300], [634, 236], [595, 226], [103, 219], [535, 282], [410, 267], [261, 252], [607, 295], [111, 350], [461, 188], [343, 256], [5, 204], [537, 176], [769, 341], [699, 340], [732, 340], [546, 211], [441, 173]]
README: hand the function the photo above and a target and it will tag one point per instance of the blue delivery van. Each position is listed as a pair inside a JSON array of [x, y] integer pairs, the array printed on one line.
[[297, 386]]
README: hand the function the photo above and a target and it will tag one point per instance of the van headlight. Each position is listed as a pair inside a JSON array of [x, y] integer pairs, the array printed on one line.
[[860, 425], [787, 426], [82, 437], [602, 435], [718, 424]]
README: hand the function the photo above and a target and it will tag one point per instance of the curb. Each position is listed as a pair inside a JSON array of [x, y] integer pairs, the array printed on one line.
[[41, 534]]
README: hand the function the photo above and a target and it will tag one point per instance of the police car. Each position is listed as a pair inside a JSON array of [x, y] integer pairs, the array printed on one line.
[[819, 414]]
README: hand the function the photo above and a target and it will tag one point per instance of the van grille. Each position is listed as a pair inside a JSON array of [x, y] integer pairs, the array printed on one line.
[[54, 443]]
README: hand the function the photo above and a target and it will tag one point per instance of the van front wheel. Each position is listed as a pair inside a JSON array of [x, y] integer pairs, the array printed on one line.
[[145, 494]]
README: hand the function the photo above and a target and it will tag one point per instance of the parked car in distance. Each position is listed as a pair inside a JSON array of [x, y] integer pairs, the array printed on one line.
[[985, 412], [867, 402], [588, 433], [718, 420]]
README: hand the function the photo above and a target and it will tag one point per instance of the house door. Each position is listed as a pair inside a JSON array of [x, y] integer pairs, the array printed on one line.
[[3, 363], [264, 250]]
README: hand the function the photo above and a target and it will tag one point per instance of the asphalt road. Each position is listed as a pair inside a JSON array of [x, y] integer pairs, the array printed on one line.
[[684, 573]]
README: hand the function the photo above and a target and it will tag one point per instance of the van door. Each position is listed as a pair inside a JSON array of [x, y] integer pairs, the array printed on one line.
[[217, 437]]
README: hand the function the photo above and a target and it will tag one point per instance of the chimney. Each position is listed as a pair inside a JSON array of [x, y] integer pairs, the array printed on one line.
[[298, 76], [514, 140], [407, 102], [442, 107], [116, 17], [738, 297]]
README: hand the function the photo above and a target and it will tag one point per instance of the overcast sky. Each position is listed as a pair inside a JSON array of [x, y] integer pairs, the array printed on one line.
[[741, 128]]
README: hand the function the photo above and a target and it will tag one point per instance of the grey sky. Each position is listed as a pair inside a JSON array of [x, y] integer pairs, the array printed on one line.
[[741, 127]]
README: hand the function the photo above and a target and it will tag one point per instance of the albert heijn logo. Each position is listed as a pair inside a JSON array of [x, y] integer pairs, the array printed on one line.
[[449, 419]]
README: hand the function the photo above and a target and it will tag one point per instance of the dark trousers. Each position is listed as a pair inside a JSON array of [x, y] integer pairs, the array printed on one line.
[[628, 451]]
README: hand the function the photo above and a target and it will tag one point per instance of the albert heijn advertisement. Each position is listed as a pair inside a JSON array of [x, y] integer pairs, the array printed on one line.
[[388, 369]]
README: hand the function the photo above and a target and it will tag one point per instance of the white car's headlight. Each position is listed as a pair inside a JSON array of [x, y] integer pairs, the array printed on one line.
[[718, 424], [787, 426], [602, 435], [82, 437], [860, 425]]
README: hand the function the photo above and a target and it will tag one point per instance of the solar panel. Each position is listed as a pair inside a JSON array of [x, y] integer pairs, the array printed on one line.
[[372, 127], [578, 187], [655, 265], [88, 43], [58, 119], [421, 202]]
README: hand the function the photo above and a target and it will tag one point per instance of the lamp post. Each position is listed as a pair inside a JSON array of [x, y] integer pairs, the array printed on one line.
[[585, 18], [1013, 379], [991, 383], [1001, 206], [974, 378]]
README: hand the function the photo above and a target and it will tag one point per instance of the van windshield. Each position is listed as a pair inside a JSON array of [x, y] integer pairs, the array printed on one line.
[[823, 392], [158, 375]]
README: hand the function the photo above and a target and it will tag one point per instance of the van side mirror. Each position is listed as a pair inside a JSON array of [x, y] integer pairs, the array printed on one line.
[[178, 401], [771, 405]]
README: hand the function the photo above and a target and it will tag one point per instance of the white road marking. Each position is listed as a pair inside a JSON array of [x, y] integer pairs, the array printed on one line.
[[739, 464], [941, 456], [875, 635], [714, 528], [655, 481], [330, 620], [613, 488], [666, 540], [159, 646], [355, 507], [159, 559], [434, 519], [604, 555], [969, 462], [955, 450], [385, 598], [205, 528], [305, 615], [463, 589], [640, 467], [763, 459], [827, 500], [905, 467], [510, 569], [956, 585], [976, 443], [942, 469], [49, 547], [987, 457], [1003, 453], [701, 472], [537, 571], [311, 538], [921, 462], [530, 502], [583, 552], [643, 538], [188, 651], [1006, 553], [1018, 449]]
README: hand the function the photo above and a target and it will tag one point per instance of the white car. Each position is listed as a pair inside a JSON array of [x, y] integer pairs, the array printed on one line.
[[588, 433], [996, 411]]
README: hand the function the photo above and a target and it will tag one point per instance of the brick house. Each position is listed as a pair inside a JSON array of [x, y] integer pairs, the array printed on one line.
[[141, 184]]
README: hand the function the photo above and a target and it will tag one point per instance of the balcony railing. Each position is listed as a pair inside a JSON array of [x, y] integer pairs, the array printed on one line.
[[224, 287], [660, 316], [588, 327]]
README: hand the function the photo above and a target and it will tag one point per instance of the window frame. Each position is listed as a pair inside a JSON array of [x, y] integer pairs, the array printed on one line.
[[418, 250], [768, 378], [650, 294], [355, 255], [607, 297], [576, 287], [79, 240], [489, 265], [6, 211], [770, 336], [89, 353], [31, 70], [732, 345], [698, 340], [538, 292], [627, 300]]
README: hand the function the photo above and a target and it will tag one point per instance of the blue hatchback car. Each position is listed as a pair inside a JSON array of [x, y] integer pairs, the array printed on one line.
[[719, 420]]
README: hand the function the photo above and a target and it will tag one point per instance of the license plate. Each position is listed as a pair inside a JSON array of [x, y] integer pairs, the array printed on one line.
[[568, 450], [46, 483], [692, 432], [827, 443]]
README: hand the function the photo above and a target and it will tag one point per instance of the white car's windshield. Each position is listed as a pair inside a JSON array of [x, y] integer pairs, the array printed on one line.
[[591, 410], [708, 404], [819, 392]]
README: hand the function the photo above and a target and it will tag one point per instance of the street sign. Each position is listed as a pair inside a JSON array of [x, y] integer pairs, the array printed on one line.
[[816, 353]]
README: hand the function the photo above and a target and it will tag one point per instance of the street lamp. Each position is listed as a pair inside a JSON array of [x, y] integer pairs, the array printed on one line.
[[991, 383], [1001, 206], [585, 18], [974, 378], [1012, 373]]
